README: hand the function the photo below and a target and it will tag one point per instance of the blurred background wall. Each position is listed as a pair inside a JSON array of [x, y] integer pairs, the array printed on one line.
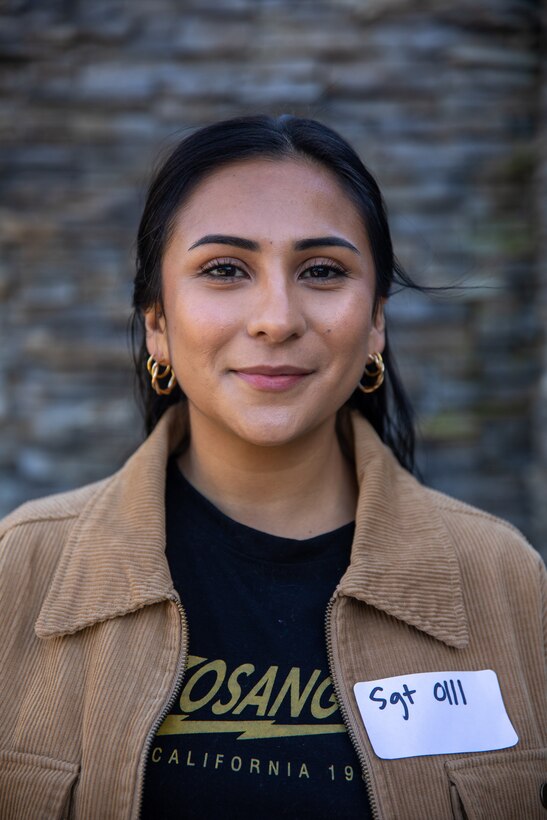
[[444, 103]]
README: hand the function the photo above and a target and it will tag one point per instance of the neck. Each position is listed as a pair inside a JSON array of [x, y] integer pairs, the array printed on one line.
[[296, 490]]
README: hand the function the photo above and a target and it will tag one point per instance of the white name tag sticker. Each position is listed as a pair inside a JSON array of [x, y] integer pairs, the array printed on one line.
[[434, 713]]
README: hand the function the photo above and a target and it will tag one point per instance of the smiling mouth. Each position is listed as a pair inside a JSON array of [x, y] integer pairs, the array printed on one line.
[[273, 379]]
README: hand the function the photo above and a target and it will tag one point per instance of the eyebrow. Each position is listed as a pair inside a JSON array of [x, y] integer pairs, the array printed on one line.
[[251, 245]]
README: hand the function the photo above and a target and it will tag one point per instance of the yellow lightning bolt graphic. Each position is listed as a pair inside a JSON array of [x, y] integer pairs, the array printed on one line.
[[247, 729]]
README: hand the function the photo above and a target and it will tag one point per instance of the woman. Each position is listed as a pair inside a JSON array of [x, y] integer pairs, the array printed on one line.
[[164, 652]]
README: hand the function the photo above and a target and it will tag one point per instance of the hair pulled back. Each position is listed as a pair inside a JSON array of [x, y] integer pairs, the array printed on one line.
[[208, 149]]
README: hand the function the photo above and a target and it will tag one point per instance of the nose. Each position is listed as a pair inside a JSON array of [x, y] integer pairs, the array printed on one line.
[[276, 313]]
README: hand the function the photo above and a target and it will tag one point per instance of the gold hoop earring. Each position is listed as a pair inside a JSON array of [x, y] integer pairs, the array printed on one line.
[[377, 373], [153, 368]]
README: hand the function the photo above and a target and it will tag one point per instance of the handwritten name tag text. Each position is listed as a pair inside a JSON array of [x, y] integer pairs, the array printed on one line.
[[442, 691]]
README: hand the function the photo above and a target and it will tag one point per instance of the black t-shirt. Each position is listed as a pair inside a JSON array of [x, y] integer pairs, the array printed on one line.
[[255, 730]]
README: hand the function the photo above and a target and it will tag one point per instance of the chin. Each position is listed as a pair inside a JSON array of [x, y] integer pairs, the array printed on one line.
[[272, 429]]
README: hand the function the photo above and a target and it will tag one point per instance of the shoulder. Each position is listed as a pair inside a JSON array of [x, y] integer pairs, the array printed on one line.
[[32, 540], [477, 523], [58, 511], [422, 511], [482, 540]]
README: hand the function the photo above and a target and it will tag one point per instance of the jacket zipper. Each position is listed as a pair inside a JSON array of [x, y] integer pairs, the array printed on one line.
[[333, 667], [181, 669]]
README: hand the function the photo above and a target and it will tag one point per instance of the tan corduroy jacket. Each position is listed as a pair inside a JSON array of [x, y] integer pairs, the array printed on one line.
[[93, 640]]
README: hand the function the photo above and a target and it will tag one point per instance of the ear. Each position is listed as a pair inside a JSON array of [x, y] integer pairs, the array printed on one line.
[[156, 334], [377, 335]]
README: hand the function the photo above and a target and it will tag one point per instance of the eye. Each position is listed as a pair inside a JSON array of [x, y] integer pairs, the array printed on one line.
[[222, 270], [323, 270]]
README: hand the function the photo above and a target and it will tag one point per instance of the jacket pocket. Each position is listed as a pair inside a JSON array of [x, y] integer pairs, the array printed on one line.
[[508, 786], [34, 787]]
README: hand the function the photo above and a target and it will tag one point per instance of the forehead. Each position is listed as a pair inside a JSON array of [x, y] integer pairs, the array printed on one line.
[[275, 198]]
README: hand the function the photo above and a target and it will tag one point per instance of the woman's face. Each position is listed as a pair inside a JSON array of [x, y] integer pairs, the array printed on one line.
[[268, 292]]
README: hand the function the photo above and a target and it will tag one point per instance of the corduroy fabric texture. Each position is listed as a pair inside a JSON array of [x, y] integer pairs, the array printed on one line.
[[92, 643]]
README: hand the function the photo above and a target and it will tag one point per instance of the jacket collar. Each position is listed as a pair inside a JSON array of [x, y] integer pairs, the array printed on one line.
[[403, 561]]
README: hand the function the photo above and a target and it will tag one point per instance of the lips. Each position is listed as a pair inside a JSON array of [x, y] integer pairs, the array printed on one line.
[[279, 370], [273, 379]]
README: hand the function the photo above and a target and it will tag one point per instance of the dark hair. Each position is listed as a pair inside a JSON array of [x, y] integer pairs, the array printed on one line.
[[202, 152]]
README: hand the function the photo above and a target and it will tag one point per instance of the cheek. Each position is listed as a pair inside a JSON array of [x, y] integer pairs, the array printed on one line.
[[349, 328], [349, 342], [197, 332]]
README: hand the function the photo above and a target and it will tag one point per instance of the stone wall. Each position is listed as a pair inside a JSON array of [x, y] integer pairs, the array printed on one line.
[[443, 102], [538, 473]]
